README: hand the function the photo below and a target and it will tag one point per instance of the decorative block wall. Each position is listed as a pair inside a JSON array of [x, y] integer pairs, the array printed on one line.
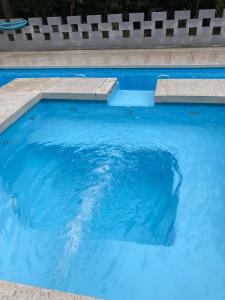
[[95, 33]]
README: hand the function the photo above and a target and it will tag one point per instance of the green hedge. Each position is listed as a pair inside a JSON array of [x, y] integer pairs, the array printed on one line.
[[46, 8]]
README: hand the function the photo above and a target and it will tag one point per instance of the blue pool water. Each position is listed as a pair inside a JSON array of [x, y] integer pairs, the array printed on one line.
[[115, 202], [129, 79]]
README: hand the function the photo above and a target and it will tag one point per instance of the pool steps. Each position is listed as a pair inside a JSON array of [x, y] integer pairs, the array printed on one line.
[[14, 291], [132, 98], [21, 94], [190, 91]]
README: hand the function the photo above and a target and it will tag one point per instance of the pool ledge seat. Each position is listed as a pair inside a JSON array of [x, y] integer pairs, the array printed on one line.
[[17, 97], [190, 91]]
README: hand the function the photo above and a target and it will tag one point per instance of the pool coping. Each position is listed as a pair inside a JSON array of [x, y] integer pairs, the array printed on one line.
[[204, 91], [116, 58], [212, 66], [21, 94], [16, 291]]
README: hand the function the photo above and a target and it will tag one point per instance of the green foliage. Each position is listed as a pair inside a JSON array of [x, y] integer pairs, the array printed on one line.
[[220, 5], [44, 8]]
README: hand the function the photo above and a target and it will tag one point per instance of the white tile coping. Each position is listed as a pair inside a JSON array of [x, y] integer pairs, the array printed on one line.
[[14, 291], [190, 91], [21, 94]]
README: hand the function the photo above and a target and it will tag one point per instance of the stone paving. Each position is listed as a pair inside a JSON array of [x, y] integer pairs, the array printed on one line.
[[182, 57], [191, 91], [14, 291]]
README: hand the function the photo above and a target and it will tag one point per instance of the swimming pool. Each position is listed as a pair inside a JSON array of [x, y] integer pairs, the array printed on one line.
[[115, 202]]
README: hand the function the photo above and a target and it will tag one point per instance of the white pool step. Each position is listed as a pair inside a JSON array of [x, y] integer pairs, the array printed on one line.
[[132, 98]]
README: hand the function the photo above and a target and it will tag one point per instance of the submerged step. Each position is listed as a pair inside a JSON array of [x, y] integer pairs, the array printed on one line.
[[132, 98], [190, 91]]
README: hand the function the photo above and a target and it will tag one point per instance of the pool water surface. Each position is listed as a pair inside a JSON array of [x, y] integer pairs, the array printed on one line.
[[129, 78], [115, 202]]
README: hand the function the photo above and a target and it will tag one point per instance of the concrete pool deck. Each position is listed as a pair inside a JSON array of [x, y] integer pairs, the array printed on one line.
[[17, 97], [182, 57], [14, 291]]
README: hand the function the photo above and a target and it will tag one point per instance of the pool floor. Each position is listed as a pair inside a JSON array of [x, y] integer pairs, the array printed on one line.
[[115, 202]]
